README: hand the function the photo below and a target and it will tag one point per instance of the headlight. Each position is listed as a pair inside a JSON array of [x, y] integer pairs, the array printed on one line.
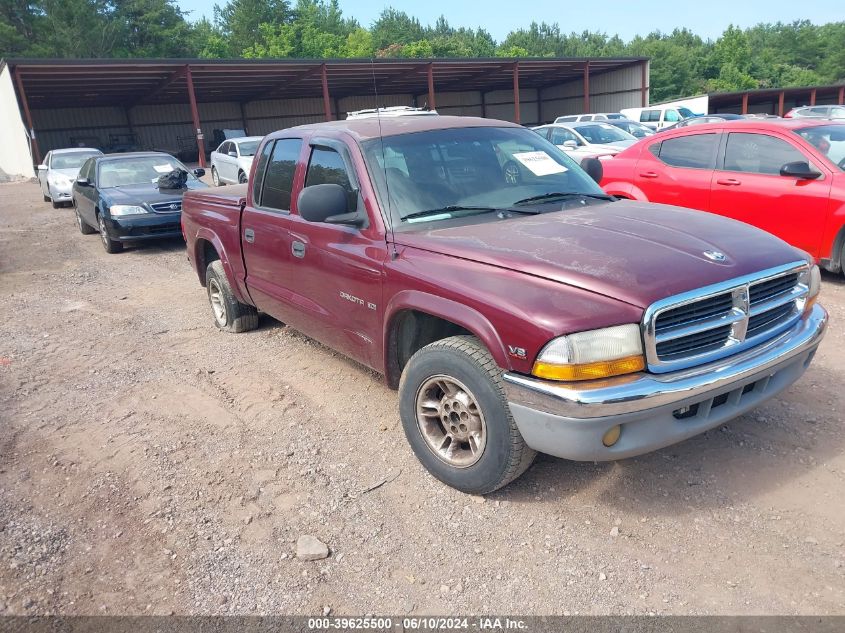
[[58, 179], [126, 209], [594, 354], [813, 279]]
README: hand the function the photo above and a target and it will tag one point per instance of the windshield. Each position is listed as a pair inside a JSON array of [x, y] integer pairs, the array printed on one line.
[[478, 167], [829, 139], [71, 160], [138, 170], [248, 147], [686, 112], [603, 133], [637, 130]]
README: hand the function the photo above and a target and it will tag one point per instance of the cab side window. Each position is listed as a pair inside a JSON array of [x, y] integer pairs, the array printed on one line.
[[671, 116], [694, 151], [759, 154], [328, 167], [280, 171]]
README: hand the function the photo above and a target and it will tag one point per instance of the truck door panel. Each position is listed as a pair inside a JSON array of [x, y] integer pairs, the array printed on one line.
[[336, 270], [265, 234]]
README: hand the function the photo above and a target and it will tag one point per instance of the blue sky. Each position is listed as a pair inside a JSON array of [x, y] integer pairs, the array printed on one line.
[[628, 18]]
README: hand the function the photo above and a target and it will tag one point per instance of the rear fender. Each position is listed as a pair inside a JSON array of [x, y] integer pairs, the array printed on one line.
[[205, 234]]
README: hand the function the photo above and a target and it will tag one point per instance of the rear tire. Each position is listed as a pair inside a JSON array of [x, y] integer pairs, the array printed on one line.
[[111, 246], [457, 419], [241, 178], [230, 315]]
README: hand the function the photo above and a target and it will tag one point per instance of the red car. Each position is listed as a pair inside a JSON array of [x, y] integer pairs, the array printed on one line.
[[784, 176]]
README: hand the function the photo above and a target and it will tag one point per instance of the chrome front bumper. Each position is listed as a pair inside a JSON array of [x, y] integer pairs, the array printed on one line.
[[655, 410]]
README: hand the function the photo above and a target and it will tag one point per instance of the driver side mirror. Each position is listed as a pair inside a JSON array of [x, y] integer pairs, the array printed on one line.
[[594, 168], [83, 182], [328, 203], [799, 169], [570, 144], [199, 172]]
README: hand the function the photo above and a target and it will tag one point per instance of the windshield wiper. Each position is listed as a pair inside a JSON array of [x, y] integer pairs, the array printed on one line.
[[460, 207], [565, 194]]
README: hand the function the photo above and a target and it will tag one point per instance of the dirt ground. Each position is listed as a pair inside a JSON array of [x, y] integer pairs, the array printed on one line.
[[151, 464]]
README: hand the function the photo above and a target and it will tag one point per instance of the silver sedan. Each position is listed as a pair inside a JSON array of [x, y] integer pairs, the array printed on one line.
[[59, 170]]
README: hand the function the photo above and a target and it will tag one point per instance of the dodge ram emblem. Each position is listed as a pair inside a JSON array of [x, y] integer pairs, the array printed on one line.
[[715, 256]]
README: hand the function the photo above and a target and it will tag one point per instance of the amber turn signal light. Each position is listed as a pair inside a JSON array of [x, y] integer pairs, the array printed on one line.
[[589, 371]]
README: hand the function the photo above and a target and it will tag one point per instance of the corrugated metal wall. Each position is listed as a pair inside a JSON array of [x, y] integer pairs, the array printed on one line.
[[609, 92], [169, 127]]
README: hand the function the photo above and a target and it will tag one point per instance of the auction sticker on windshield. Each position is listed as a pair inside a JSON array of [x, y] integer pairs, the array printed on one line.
[[540, 163]]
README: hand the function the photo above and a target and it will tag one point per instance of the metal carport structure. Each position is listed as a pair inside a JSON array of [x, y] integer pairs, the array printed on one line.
[[60, 96]]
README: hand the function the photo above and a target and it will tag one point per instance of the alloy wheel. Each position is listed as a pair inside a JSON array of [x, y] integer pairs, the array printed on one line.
[[450, 421]]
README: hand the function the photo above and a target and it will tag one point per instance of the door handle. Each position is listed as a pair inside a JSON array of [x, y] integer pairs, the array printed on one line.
[[298, 249], [249, 235], [648, 174], [730, 182]]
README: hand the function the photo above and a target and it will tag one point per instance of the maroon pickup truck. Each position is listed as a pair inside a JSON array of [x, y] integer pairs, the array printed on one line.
[[516, 307]]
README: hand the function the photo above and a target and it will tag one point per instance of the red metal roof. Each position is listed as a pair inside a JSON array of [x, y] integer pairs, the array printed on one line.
[[53, 83]]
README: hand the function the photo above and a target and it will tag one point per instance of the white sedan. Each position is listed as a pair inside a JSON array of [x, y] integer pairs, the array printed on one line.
[[231, 162], [582, 140], [58, 171]]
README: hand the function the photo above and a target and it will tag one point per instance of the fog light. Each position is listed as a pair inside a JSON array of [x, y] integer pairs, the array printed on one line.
[[612, 436]]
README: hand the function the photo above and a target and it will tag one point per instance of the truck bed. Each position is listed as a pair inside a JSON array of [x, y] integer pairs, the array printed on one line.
[[232, 195]]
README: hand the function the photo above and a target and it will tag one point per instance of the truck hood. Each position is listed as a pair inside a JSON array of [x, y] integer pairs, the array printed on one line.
[[633, 251]]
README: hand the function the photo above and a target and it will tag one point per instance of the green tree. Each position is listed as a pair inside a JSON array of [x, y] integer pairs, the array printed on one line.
[[240, 21], [151, 28], [396, 27]]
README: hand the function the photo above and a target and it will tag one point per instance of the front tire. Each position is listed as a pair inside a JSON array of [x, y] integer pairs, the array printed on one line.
[[84, 227], [53, 202], [230, 315], [111, 246], [215, 178], [457, 419]]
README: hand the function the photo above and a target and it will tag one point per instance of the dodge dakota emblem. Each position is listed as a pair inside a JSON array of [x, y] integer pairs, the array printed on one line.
[[715, 256]]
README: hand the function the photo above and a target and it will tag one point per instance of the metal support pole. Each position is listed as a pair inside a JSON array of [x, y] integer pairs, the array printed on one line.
[[243, 117], [745, 103], [587, 87], [781, 97], [33, 142], [327, 102], [195, 116], [483, 105], [841, 95], [644, 86], [431, 103], [516, 116], [813, 97]]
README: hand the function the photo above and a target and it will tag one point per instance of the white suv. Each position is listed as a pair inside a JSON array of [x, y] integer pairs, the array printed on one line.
[[599, 116]]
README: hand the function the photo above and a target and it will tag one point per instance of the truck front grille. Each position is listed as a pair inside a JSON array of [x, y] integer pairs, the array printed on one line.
[[716, 321]]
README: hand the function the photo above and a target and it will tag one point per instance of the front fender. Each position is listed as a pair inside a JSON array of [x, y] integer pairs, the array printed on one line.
[[460, 314]]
